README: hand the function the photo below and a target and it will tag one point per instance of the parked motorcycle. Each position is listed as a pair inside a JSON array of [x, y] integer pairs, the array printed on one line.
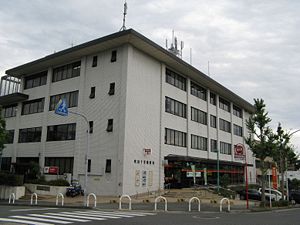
[[74, 189]]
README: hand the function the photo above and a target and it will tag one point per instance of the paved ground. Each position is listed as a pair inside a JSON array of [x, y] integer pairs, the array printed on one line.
[[47, 216]]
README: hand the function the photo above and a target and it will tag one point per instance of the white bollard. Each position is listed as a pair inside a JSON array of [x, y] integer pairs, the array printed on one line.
[[88, 200], [190, 202], [31, 200], [120, 201], [221, 202], [62, 199], [13, 198], [166, 203]]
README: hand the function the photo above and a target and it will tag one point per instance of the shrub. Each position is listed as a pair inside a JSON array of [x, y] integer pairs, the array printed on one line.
[[280, 203], [59, 182], [11, 179]]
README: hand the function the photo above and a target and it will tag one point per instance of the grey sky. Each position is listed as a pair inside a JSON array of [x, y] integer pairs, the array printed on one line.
[[252, 46]]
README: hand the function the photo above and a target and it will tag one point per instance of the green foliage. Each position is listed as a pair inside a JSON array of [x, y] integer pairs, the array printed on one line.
[[294, 184], [238, 188], [225, 193], [281, 203], [42, 181], [261, 139], [225, 180], [11, 179]]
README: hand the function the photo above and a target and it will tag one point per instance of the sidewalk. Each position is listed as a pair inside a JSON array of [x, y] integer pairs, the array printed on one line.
[[178, 200]]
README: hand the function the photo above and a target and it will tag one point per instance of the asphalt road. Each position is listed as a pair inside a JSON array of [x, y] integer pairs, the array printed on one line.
[[46, 216]]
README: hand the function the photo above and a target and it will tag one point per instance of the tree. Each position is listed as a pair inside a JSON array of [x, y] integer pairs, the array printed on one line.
[[284, 153], [261, 139], [3, 135]]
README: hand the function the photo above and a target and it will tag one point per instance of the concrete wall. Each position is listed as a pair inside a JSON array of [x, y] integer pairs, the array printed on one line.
[[6, 191]]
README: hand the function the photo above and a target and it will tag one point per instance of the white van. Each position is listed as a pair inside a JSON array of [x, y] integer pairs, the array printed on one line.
[[274, 195]]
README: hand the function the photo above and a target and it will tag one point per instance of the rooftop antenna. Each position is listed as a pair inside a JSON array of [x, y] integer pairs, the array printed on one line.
[[124, 16], [174, 46]]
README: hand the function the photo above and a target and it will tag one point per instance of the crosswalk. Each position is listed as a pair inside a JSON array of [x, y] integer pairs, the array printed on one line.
[[69, 217]]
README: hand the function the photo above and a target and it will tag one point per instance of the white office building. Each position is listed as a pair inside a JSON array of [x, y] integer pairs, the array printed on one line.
[[151, 116]]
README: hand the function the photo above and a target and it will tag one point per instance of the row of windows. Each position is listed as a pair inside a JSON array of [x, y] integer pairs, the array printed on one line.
[[70, 97], [61, 73], [66, 71], [37, 105], [179, 81], [178, 138], [199, 142], [174, 137], [65, 164], [224, 125], [175, 107], [60, 132], [137, 161], [198, 116], [33, 106], [35, 80]]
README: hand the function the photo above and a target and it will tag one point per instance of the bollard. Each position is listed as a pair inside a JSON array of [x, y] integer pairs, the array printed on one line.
[[221, 202], [160, 197], [190, 201], [13, 198], [88, 200], [31, 200], [120, 201], [62, 199]]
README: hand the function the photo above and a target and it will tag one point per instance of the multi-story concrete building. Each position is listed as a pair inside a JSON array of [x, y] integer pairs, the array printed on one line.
[[151, 117]]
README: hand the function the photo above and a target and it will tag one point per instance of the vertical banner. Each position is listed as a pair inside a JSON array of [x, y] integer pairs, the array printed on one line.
[[274, 177], [194, 173], [205, 176], [150, 178], [137, 178], [144, 178]]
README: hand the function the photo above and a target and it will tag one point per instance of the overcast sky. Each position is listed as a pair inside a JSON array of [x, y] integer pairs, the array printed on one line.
[[253, 46]]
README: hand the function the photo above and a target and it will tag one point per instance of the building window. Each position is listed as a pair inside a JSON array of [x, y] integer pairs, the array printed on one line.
[[113, 56], [237, 111], [108, 166], [110, 124], [91, 123], [9, 111], [225, 125], [213, 145], [175, 107], [174, 137], [111, 88], [198, 142], [10, 136], [213, 99], [213, 121], [198, 116], [198, 91], [30, 134], [95, 61], [237, 130], [65, 164], [89, 165], [223, 104], [225, 148], [93, 92], [35, 80], [175, 79], [33, 106], [66, 72], [70, 97], [61, 132]]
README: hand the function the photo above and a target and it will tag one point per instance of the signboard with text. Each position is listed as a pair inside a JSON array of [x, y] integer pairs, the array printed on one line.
[[239, 151]]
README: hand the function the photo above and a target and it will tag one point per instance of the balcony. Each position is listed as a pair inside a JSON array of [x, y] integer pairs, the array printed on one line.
[[10, 91]]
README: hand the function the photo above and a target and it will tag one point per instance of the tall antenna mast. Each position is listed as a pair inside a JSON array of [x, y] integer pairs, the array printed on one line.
[[174, 48], [124, 17]]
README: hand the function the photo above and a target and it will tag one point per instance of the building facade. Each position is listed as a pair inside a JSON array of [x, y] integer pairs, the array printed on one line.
[[152, 118]]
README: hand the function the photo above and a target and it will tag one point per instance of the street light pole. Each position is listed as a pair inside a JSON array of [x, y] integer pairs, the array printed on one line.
[[86, 155], [218, 171]]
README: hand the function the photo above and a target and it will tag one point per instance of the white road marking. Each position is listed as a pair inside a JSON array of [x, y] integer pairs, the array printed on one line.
[[94, 215], [23, 221], [74, 215], [32, 209], [105, 214], [122, 213], [41, 219], [58, 216]]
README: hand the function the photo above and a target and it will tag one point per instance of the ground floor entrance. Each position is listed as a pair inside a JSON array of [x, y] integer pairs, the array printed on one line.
[[179, 172]]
